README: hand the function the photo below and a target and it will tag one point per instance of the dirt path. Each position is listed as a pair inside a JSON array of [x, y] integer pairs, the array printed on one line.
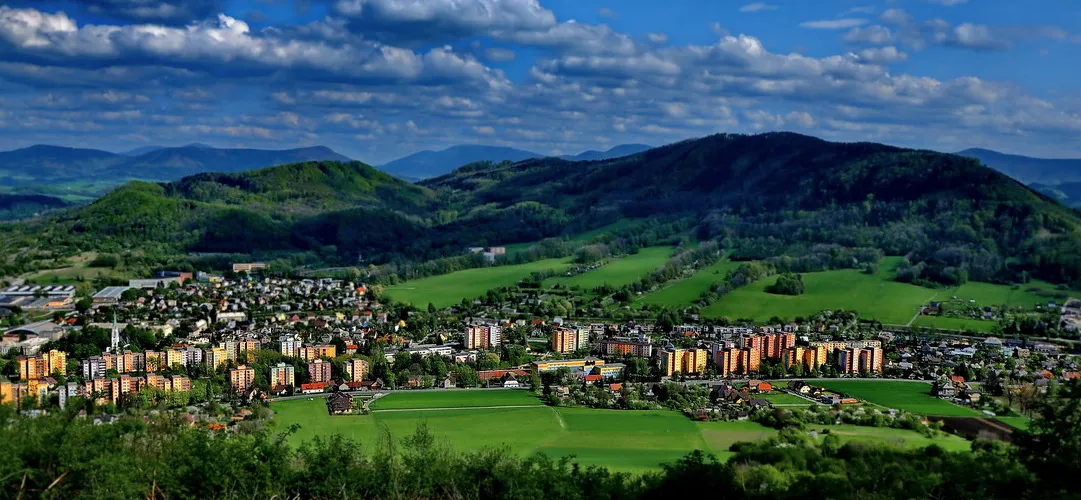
[[559, 417], [918, 311]]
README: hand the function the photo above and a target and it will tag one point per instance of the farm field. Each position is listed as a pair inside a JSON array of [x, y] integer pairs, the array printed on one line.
[[909, 396], [618, 272], [1027, 295], [455, 399], [873, 296], [629, 441], [687, 290], [449, 289], [781, 398], [900, 437]]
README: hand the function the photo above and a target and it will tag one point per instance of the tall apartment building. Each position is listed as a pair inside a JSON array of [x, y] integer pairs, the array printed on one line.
[[320, 351], [94, 368], [683, 361], [565, 340], [42, 365], [319, 371], [625, 346], [357, 369], [856, 360], [215, 357], [173, 357], [291, 348], [737, 361], [282, 374], [241, 378], [483, 337]]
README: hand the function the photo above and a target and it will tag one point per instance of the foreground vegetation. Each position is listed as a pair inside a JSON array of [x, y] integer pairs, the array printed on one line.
[[62, 456]]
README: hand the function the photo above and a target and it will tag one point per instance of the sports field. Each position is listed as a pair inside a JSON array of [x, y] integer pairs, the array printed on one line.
[[913, 397], [463, 398], [688, 290], [631, 441], [873, 296], [449, 289], [619, 271]]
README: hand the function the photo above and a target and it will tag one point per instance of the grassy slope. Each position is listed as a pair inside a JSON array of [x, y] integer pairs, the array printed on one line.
[[450, 289], [632, 441], [455, 399], [914, 397], [1015, 422], [618, 272], [874, 296], [686, 291]]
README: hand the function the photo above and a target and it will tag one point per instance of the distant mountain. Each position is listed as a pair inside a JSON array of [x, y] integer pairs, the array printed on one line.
[[51, 165], [142, 150], [1067, 193], [1029, 170], [616, 152], [428, 164]]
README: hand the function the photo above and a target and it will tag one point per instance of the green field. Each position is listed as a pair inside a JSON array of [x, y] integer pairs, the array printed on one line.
[[449, 289], [455, 399], [688, 290], [619, 271], [783, 398], [1028, 295], [1021, 423], [899, 437], [913, 397], [632, 441], [956, 323], [873, 296]]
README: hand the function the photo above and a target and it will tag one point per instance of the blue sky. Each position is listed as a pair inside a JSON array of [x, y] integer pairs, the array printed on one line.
[[377, 79]]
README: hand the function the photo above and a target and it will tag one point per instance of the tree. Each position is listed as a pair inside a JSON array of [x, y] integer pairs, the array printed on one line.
[[787, 284], [1051, 448]]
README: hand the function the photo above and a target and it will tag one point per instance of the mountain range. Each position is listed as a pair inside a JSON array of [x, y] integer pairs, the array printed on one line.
[[428, 164], [52, 165], [1029, 170], [763, 196]]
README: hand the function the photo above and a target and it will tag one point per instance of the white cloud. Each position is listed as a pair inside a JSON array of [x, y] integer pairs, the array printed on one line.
[[834, 24], [496, 54], [757, 7], [484, 130], [657, 37], [947, 3]]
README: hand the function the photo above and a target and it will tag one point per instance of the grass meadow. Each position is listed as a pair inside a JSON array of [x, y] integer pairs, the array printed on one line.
[[688, 290], [627, 441], [449, 289], [913, 397], [619, 271], [464, 398]]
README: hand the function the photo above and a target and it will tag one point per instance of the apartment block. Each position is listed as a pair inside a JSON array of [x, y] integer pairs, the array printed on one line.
[[94, 368], [319, 371], [683, 361], [625, 346], [215, 357], [282, 374], [483, 337], [241, 378], [737, 361], [357, 369], [565, 340], [291, 348]]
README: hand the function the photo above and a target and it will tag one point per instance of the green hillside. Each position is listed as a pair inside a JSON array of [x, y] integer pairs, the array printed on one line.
[[759, 196]]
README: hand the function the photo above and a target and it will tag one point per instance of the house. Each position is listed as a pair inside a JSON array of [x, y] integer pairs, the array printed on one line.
[[508, 381], [757, 403], [313, 388], [760, 386], [340, 403], [969, 396], [448, 383]]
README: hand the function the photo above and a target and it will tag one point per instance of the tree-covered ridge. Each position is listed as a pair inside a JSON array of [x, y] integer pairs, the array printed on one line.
[[761, 196]]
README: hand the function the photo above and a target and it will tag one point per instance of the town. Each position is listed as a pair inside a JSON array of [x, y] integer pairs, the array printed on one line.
[[199, 341]]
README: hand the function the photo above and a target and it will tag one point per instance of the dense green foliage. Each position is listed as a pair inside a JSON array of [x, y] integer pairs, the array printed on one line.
[[763, 196], [787, 284], [62, 456]]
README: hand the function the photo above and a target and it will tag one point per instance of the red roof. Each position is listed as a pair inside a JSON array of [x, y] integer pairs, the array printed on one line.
[[313, 386], [1047, 374], [492, 374], [593, 378], [357, 385], [957, 379], [615, 387], [1071, 375]]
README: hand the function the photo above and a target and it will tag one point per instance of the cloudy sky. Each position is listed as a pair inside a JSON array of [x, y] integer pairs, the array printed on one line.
[[377, 79]]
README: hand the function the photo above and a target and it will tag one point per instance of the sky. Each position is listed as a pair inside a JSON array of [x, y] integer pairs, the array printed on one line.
[[378, 79]]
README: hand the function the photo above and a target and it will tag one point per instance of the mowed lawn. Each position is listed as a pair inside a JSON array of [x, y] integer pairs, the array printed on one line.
[[956, 323], [913, 397], [872, 296], [1027, 295], [619, 271], [688, 290], [629, 441], [783, 398], [898, 437], [1021, 423], [449, 289], [463, 398]]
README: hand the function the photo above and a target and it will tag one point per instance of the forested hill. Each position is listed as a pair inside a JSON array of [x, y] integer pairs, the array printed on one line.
[[761, 195]]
